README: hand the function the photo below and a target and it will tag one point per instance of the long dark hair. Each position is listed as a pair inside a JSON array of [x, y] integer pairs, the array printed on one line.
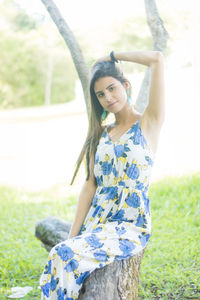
[[95, 128]]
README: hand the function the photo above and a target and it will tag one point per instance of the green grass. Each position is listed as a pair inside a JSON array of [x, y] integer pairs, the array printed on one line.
[[171, 264]]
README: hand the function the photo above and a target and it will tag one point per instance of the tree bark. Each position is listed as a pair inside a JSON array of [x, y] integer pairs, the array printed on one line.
[[116, 281]]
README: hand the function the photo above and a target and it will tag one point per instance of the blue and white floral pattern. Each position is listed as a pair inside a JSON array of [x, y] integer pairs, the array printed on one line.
[[118, 223]]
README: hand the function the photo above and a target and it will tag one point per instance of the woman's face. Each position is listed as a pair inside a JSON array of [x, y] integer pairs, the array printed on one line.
[[111, 93]]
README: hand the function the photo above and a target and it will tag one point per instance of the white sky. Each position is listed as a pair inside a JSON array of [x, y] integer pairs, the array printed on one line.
[[91, 12]]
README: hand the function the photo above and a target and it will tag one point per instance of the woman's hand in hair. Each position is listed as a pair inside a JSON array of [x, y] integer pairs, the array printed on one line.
[[103, 58]]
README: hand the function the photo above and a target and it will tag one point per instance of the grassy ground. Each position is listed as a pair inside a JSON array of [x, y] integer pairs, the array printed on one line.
[[171, 265], [170, 268]]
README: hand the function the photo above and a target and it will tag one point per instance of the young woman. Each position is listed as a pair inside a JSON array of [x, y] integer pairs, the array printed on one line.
[[112, 220]]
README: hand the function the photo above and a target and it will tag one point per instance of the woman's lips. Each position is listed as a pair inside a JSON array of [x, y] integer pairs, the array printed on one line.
[[110, 105]]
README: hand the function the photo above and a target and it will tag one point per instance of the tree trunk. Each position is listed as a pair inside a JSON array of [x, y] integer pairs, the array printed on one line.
[[160, 37], [49, 78], [72, 43], [116, 281]]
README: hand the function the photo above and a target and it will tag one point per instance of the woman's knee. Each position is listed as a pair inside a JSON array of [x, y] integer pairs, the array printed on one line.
[[63, 250]]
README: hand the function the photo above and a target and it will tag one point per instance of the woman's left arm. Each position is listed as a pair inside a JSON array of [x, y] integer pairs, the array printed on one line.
[[155, 111]]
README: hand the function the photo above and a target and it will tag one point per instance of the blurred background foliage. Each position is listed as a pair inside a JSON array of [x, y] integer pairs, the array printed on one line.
[[25, 46], [29, 43]]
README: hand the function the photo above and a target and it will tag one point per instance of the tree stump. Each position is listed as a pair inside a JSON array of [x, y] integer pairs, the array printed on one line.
[[117, 281]]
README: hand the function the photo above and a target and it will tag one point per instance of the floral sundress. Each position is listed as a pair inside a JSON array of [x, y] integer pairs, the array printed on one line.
[[118, 223]]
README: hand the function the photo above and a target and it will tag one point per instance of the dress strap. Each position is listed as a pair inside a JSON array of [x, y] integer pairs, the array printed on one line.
[[109, 126]]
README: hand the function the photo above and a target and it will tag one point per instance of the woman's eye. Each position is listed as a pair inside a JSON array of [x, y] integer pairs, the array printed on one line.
[[100, 95], [111, 88]]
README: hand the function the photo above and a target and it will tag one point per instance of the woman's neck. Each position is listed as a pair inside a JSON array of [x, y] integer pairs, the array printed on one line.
[[126, 116]]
